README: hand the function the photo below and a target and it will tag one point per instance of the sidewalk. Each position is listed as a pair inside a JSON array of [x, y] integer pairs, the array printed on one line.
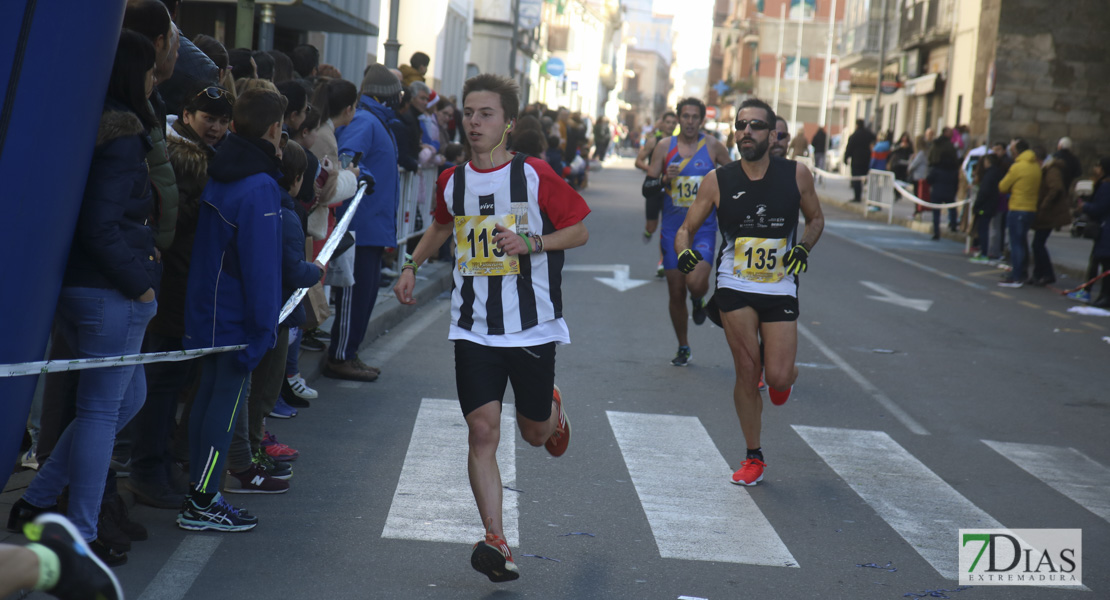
[[1069, 255]]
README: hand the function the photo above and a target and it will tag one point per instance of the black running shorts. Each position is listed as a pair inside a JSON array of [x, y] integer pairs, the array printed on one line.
[[481, 373], [653, 206], [770, 308]]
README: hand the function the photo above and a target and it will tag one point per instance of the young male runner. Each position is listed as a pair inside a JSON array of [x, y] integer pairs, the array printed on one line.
[[651, 189], [512, 218], [682, 162], [757, 199]]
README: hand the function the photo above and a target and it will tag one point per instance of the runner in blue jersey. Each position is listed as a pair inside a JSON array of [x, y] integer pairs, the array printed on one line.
[[679, 163]]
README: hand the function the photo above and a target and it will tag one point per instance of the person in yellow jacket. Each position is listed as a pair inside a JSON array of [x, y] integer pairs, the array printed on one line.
[[1023, 183]]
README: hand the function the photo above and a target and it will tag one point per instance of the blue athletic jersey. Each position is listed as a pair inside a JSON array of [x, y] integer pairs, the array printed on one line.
[[682, 190]]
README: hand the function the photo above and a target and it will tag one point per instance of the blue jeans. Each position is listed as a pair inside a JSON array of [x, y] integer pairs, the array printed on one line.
[[95, 322], [1018, 223]]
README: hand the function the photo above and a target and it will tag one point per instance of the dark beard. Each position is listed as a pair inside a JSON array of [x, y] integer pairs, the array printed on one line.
[[756, 152], [778, 151]]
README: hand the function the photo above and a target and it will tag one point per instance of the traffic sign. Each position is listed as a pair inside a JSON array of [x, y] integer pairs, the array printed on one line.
[[710, 112], [556, 67], [529, 13]]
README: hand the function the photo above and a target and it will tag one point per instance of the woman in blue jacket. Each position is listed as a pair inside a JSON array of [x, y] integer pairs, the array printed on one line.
[[1099, 209], [107, 298]]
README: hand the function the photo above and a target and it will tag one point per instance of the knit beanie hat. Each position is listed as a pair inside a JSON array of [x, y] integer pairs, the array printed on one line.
[[379, 82]]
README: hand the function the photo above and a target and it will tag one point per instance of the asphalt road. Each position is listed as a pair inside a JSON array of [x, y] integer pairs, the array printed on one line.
[[879, 457]]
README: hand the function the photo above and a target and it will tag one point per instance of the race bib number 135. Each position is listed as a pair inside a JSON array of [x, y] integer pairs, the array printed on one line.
[[759, 259], [475, 251]]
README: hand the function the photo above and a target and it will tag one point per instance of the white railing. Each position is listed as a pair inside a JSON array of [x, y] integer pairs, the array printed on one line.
[[414, 211], [880, 192]]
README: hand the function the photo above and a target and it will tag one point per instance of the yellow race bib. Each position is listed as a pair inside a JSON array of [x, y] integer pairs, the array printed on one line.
[[684, 189], [476, 254], [759, 259]]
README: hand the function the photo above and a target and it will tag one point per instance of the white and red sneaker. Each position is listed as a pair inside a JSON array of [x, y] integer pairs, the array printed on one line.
[[749, 473], [492, 558], [557, 444], [779, 398]]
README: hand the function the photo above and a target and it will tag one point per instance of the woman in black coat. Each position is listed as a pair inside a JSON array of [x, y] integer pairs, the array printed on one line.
[[107, 298]]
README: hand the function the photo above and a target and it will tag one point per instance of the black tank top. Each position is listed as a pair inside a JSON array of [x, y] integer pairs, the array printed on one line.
[[766, 208]]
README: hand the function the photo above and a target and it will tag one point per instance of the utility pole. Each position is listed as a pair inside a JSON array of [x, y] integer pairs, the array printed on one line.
[[392, 46], [882, 60], [516, 32], [822, 118], [797, 71], [266, 28], [778, 59], [244, 24]]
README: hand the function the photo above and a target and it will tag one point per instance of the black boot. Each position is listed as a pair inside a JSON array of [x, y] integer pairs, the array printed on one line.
[[24, 512]]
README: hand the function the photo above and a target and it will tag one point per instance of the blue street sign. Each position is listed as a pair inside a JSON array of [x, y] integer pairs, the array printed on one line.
[[720, 87], [556, 67]]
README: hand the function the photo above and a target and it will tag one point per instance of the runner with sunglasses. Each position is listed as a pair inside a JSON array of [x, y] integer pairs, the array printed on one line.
[[679, 164], [780, 139], [756, 200]]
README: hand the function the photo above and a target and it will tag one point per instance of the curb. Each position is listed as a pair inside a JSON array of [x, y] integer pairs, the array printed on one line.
[[1077, 273], [434, 279]]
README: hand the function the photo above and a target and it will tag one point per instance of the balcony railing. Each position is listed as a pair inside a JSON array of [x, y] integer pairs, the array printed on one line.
[[926, 22]]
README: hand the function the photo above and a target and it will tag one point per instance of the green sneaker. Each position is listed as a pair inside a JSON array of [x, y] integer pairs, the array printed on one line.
[[682, 357]]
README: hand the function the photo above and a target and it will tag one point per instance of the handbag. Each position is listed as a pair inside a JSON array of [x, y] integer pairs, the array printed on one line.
[[315, 307], [318, 222]]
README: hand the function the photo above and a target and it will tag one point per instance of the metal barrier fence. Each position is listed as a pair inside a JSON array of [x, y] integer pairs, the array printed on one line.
[[880, 192], [414, 211]]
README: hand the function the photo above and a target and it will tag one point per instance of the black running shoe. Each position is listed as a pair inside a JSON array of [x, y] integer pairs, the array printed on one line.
[[682, 357], [217, 516], [699, 311], [82, 575]]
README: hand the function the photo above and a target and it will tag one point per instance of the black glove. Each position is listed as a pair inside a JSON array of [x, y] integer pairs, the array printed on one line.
[[368, 179], [688, 260], [653, 186], [796, 260]]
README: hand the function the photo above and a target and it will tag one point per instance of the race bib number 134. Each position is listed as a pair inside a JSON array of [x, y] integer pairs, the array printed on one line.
[[475, 251]]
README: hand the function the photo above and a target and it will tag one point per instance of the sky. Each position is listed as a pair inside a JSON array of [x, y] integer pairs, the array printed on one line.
[[693, 20]]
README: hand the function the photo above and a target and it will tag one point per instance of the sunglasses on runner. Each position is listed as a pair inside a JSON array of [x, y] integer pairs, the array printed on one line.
[[782, 134], [756, 125]]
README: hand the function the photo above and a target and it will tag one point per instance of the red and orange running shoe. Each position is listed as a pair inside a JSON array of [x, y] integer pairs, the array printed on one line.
[[762, 383], [749, 473], [278, 450], [779, 398], [557, 444], [492, 558]]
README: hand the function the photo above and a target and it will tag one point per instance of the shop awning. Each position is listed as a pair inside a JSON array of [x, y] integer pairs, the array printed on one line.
[[311, 15], [920, 86]]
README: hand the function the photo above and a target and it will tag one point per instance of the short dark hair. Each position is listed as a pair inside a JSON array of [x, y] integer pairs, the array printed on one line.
[[293, 164], [784, 122], [148, 17], [256, 110], [553, 141], [283, 66], [453, 152], [669, 113], [201, 99], [691, 101], [860, 124], [305, 59], [530, 142], [265, 64], [1021, 145], [127, 84], [332, 96], [239, 60], [506, 88], [757, 103], [312, 120], [295, 93], [171, 5], [212, 47], [419, 59]]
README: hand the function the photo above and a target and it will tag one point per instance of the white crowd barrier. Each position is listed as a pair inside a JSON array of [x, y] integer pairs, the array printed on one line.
[[78, 364], [414, 212], [882, 190]]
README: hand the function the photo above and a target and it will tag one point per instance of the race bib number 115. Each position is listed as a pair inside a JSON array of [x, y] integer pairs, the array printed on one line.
[[475, 251]]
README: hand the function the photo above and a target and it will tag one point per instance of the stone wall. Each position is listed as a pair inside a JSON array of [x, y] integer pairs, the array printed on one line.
[[1052, 73]]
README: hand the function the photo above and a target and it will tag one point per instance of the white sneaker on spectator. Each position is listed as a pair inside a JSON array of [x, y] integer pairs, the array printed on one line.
[[300, 388]]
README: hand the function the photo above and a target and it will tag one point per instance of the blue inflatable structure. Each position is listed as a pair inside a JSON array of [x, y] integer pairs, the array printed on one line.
[[55, 61]]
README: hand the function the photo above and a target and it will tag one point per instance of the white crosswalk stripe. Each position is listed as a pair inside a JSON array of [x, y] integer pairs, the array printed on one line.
[[1065, 470], [694, 513], [911, 498], [433, 501]]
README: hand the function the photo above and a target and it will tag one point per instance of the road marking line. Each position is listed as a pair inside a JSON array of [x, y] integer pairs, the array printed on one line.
[[912, 499], [1065, 470], [1059, 314], [1093, 326], [173, 580], [1029, 304], [907, 261], [903, 417], [694, 513], [1001, 295], [392, 346], [433, 501]]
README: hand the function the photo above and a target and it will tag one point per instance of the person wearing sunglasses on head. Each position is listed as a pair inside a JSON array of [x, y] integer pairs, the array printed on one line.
[[679, 163], [757, 200]]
